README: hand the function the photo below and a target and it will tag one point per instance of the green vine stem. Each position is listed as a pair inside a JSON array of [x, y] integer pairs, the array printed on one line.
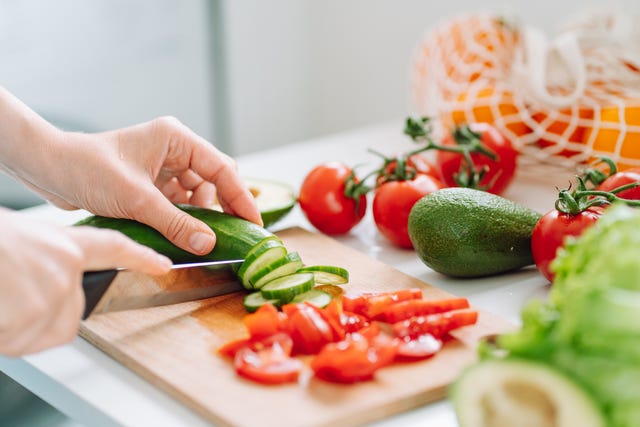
[[467, 142], [581, 199]]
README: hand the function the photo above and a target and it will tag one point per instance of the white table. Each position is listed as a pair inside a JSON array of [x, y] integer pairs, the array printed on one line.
[[95, 390]]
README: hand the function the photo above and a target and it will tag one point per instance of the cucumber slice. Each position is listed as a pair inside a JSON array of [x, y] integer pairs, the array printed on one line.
[[327, 274], [524, 393], [283, 266], [255, 300], [314, 296], [285, 288], [334, 290], [260, 256]]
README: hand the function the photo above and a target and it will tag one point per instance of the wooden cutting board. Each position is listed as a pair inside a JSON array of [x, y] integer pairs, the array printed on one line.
[[173, 347]]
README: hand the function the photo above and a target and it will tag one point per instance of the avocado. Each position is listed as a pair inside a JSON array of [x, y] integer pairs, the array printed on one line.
[[462, 232]]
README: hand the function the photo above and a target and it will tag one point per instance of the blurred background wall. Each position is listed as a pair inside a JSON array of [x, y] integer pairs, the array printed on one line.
[[246, 74]]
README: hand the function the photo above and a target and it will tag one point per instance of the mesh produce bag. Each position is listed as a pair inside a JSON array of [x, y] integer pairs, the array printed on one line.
[[562, 101]]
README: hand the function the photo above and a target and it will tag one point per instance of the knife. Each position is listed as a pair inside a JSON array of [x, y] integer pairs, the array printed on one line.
[[216, 277]]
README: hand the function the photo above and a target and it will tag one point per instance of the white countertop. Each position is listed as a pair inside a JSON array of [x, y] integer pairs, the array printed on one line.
[[90, 387]]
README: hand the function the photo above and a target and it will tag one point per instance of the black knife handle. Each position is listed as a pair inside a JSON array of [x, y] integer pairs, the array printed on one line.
[[94, 285]]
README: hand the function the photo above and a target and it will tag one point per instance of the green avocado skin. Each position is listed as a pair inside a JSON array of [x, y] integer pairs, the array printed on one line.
[[462, 232]]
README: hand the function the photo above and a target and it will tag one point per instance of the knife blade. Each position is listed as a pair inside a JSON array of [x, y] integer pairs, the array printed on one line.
[[215, 277]]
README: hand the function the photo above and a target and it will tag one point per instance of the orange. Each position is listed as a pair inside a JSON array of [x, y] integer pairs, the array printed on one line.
[[462, 50], [617, 136], [488, 105], [562, 130]]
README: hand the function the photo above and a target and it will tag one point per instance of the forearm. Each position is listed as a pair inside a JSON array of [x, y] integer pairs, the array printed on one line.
[[26, 139]]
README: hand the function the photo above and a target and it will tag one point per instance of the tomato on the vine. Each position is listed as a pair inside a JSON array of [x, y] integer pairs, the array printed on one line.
[[619, 179], [416, 163], [392, 204], [495, 174], [552, 229], [325, 201]]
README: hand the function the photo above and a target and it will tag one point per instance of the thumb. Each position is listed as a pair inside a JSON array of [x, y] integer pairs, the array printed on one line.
[[179, 227]]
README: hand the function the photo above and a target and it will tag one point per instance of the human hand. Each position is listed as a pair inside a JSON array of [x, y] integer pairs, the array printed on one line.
[[41, 298], [140, 172]]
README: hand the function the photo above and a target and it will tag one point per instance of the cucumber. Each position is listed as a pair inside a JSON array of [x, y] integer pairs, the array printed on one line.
[[285, 288], [235, 236], [327, 274], [288, 264], [255, 300], [514, 392], [262, 255], [314, 296]]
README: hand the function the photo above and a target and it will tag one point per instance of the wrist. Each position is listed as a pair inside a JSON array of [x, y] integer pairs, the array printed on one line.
[[27, 141]]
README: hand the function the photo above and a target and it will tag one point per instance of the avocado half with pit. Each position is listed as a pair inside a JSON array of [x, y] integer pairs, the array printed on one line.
[[274, 199]]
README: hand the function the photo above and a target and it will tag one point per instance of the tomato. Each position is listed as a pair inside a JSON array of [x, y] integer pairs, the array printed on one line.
[[323, 201], [392, 204], [418, 348], [549, 233], [415, 164], [265, 321], [309, 328], [373, 305], [270, 363], [419, 307], [230, 348], [622, 178], [353, 359], [435, 324], [346, 322], [500, 172]]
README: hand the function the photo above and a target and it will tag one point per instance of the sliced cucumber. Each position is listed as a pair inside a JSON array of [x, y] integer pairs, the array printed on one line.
[[255, 300], [524, 393], [260, 257], [314, 296], [327, 274], [283, 266], [334, 290], [285, 288]]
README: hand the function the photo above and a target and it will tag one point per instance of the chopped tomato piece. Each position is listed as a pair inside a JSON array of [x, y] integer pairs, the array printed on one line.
[[265, 321], [271, 364], [349, 322], [435, 324], [353, 359], [418, 348], [308, 328], [421, 307], [352, 322], [371, 305], [231, 348]]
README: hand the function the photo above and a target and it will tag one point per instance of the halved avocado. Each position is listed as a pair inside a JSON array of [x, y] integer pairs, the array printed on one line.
[[514, 392], [274, 199]]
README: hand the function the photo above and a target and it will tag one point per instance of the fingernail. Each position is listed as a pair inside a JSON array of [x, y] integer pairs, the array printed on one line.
[[201, 242], [165, 262]]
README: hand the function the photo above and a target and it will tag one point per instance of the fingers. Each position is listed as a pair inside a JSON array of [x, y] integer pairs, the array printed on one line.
[[179, 227], [211, 165], [50, 328], [104, 249], [232, 193]]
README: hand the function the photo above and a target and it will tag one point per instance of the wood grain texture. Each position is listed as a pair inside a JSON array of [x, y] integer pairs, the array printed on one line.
[[173, 347]]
